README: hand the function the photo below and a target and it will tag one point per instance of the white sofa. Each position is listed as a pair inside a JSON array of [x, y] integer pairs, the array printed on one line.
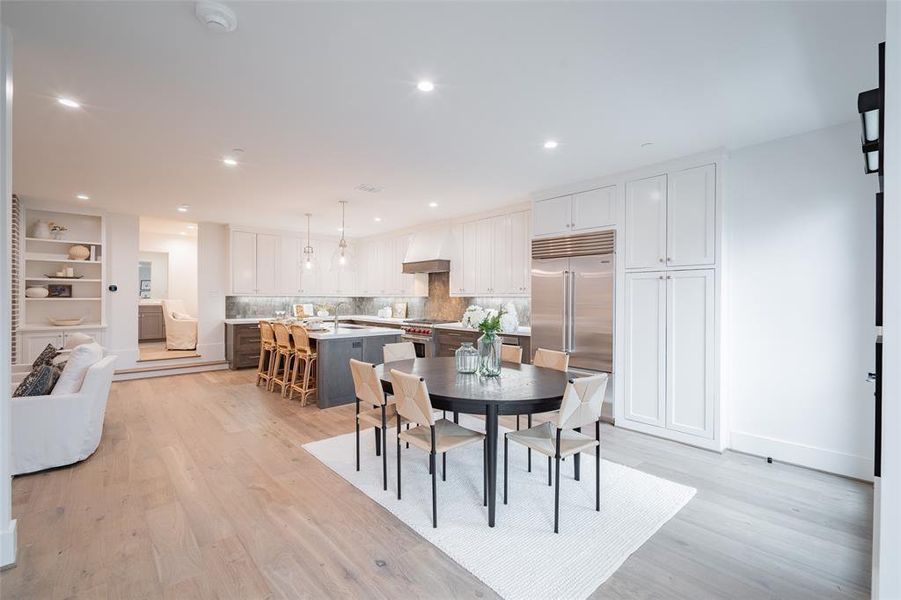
[[181, 331], [53, 431]]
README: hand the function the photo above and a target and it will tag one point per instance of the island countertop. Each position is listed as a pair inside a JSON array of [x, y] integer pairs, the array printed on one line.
[[521, 331], [344, 330]]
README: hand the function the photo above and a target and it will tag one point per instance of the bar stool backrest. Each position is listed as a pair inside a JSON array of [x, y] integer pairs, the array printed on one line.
[[266, 333], [301, 339], [282, 336]]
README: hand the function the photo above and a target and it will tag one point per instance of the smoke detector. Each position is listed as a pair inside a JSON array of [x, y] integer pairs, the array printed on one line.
[[217, 17]]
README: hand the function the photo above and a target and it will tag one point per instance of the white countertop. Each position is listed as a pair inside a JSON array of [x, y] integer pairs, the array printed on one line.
[[392, 321], [523, 331], [329, 333]]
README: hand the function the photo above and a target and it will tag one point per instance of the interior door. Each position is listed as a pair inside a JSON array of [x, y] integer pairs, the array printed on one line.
[[689, 352], [646, 223], [690, 217], [591, 302], [548, 303], [645, 338]]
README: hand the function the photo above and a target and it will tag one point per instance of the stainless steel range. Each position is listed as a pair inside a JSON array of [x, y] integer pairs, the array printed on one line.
[[422, 333]]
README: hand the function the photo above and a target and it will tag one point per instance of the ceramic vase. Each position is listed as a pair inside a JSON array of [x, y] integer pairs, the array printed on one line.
[[41, 230]]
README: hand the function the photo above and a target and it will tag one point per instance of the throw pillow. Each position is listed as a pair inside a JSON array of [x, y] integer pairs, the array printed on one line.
[[80, 360], [77, 339], [178, 315], [39, 382], [45, 357]]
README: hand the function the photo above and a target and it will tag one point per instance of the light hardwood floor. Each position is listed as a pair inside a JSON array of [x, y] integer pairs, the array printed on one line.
[[200, 489]]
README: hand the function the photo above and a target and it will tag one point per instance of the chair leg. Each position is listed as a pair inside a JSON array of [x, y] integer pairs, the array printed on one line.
[[434, 490], [597, 478], [293, 384], [485, 472], [557, 498], [398, 458], [358, 434], [408, 429], [444, 466], [378, 443], [506, 442], [384, 451], [549, 471], [529, 451]]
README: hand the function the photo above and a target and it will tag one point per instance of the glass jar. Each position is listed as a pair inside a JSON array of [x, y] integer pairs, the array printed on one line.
[[490, 355], [467, 358]]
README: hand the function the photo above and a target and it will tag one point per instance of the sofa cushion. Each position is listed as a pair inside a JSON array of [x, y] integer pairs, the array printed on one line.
[[39, 382], [46, 356], [80, 360]]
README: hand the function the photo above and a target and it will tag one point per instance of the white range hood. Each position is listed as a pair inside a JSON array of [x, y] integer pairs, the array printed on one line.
[[429, 252]]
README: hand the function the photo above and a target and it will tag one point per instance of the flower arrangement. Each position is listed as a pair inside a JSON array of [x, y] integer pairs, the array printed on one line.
[[488, 321], [57, 230]]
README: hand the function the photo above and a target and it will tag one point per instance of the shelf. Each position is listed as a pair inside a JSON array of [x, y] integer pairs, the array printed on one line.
[[70, 242], [62, 299], [63, 279], [62, 260], [27, 328]]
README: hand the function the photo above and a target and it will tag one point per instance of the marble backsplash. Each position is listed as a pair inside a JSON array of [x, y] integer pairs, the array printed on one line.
[[438, 305]]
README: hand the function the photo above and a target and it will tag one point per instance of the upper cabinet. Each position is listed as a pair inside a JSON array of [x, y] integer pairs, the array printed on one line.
[[491, 257], [582, 211], [671, 219], [255, 261]]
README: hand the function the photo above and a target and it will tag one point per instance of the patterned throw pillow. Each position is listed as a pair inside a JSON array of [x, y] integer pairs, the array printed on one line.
[[39, 382], [45, 357]]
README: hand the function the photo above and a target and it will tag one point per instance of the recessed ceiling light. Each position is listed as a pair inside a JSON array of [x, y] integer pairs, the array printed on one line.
[[425, 86], [378, 219], [551, 144], [433, 204], [68, 102], [229, 161], [83, 197], [183, 207]]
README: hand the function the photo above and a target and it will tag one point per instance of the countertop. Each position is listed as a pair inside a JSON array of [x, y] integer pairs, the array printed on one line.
[[330, 334], [391, 321], [523, 331]]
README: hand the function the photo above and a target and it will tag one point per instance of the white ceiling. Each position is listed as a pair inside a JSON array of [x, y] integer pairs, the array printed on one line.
[[322, 97]]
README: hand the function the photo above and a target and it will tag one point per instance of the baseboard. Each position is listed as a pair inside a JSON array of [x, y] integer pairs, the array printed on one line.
[[8, 545], [168, 370], [820, 459]]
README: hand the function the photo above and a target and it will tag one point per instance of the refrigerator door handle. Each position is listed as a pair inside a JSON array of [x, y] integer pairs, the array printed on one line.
[[571, 312], [566, 315]]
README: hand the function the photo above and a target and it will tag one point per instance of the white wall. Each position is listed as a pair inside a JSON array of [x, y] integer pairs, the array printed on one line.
[[7, 524], [212, 282], [122, 305], [182, 252], [159, 273], [799, 277]]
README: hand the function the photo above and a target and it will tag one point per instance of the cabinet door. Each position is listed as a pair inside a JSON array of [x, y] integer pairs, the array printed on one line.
[[645, 369], [289, 266], [34, 344], [407, 280], [456, 263], [501, 257], [268, 260], [244, 262], [484, 259], [691, 217], [470, 257], [689, 352], [646, 222], [594, 208], [520, 253], [553, 215]]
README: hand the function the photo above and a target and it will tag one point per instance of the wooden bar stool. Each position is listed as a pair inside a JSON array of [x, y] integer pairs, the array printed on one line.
[[267, 353], [304, 365], [284, 357]]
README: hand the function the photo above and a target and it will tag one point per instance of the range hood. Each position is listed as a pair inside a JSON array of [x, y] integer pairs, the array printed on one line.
[[429, 252]]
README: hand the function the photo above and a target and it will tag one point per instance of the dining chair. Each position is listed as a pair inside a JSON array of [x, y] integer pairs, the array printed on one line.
[[267, 353], [548, 359], [511, 354], [284, 357], [368, 391], [305, 358], [398, 351], [581, 405], [414, 404]]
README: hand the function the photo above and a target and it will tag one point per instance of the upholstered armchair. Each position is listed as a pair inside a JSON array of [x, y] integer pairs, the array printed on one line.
[[181, 328]]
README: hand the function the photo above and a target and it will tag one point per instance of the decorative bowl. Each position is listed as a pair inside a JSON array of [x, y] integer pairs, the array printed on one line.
[[36, 292], [65, 322]]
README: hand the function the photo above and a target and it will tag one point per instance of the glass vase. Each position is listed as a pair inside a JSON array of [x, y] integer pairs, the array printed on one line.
[[467, 358], [490, 355]]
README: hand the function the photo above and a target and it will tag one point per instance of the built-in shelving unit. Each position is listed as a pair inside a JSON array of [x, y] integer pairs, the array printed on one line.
[[80, 297]]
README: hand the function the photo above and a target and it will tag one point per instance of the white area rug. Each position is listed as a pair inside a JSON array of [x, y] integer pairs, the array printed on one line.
[[520, 557]]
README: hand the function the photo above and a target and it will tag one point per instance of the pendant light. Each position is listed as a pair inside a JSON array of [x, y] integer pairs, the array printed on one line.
[[343, 253], [308, 249]]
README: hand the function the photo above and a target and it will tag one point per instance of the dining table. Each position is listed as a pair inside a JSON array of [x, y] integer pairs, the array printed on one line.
[[520, 389]]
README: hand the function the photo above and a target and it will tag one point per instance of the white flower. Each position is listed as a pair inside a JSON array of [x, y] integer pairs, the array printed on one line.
[[473, 316], [509, 323]]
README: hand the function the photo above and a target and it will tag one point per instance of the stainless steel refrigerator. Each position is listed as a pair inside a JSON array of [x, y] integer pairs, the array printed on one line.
[[572, 298]]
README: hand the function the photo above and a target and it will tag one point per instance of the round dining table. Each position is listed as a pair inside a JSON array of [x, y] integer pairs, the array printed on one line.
[[520, 389]]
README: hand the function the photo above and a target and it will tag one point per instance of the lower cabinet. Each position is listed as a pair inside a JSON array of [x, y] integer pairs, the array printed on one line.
[[242, 345], [34, 342], [669, 351], [151, 324], [448, 340]]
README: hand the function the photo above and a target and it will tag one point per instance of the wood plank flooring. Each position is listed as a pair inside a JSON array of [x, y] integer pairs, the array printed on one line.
[[200, 489]]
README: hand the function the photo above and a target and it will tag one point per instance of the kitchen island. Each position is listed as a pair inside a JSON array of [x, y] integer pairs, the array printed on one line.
[[335, 348]]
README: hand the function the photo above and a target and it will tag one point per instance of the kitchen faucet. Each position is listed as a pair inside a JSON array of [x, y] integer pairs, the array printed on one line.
[[336, 313]]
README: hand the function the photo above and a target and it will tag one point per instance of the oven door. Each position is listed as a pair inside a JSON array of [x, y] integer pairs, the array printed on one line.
[[423, 345]]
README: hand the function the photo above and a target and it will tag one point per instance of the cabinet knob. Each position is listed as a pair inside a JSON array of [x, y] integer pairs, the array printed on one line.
[[669, 277], [572, 224], [660, 260], [660, 277], [668, 259]]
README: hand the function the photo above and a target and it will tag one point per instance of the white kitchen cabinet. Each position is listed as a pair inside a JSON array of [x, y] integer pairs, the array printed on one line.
[[669, 350], [492, 257], [594, 208], [646, 223], [243, 262], [689, 352], [268, 261], [290, 249], [470, 259], [552, 216], [32, 343], [645, 346], [501, 256], [520, 254], [690, 217], [484, 263], [457, 270]]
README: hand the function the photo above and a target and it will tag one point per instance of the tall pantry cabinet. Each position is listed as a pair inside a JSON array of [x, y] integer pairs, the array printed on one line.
[[670, 340]]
